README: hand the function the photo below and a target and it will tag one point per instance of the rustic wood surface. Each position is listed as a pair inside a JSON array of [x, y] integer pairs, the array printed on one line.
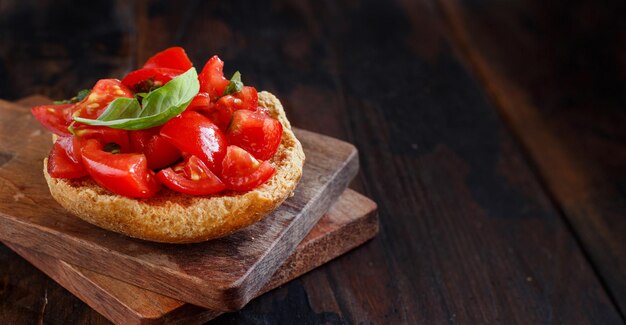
[[221, 274], [350, 222], [469, 232], [568, 112]]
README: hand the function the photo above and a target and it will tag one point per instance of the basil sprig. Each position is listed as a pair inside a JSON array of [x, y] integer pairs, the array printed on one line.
[[157, 107], [235, 85]]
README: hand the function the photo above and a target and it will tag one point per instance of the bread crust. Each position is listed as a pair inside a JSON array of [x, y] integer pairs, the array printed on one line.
[[172, 217]]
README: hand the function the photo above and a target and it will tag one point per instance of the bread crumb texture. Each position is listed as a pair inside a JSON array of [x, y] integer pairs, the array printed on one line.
[[172, 217]]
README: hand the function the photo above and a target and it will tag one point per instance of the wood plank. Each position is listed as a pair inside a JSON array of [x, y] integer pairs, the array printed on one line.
[[563, 110], [468, 234], [55, 56], [350, 222], [222, 274]]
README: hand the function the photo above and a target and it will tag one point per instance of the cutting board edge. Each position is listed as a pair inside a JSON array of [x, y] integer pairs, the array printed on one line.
[[368, 221]]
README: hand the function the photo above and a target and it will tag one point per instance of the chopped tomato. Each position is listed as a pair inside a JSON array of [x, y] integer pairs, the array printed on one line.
[[263, 110], [249, 98], [201, 103], [242, 172], [194, 133], [125, 174], [223, 110], [71, 145], [239, 162], [103, 92], [171, 58], [62, 164], [191, 177], [158, 150], [55, 118], [255, 132], [143, 80], [223, 141], [212, 78], [105, 135]]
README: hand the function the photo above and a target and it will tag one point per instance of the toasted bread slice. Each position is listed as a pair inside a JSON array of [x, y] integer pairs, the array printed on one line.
[[172, 217]]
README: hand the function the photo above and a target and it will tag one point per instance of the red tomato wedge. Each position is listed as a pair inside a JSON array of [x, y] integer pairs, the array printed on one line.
[[201, 103], [249, 98], [171, 58], [61, 163], [193, 133], [242, 172], [125, 174], [191, 177], [255, 132], [102, 93], [223, 111], [263, 110], [71, 145], [212, 79], [158, 150], [159, 77], [55, 118], [104, 135]]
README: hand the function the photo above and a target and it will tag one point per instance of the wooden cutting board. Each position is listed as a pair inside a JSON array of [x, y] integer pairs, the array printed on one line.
[[221, 274], [349, 223]]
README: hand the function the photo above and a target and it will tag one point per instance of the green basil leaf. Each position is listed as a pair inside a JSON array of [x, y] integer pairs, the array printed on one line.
[[82, 94], [235, 85], [79, 97], [177, 93], [159, 106], [121, 108]]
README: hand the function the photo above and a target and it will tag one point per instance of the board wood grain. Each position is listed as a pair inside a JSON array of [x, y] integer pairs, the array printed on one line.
[[350, 222], [222, 274], [566, 112]]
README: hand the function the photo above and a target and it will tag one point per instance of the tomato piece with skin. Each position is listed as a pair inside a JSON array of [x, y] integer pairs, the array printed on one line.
[[102, 93], [201, 103], [61, 163], [242, 172], [223, 111], [158, 77], [171, 58], [126, 174], [71, 145], [158, 150], [191, 177], [263, 110], [55, 118], [249, 98], [255, 132], [212, 79], [193, 133], [104, 135]]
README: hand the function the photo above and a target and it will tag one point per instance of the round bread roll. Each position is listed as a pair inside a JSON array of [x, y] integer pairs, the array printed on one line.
[[172, 217]]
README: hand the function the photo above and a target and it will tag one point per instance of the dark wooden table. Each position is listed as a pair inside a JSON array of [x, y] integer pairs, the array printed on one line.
[[492, 135]]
